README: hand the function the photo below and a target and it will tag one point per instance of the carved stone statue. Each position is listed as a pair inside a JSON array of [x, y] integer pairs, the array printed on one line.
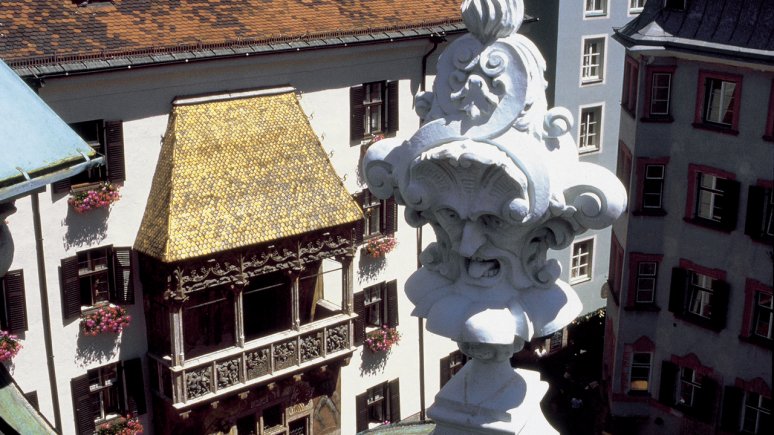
[[496, 175]]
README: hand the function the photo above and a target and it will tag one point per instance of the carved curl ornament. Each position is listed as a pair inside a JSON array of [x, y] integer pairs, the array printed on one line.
[[496, 174]]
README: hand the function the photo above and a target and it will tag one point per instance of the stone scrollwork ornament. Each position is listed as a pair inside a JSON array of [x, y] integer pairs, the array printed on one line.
[[496, 175]]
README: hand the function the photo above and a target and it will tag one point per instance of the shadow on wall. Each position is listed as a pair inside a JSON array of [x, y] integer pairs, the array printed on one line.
[[373, 363], [85, 229], [369, 267], [97, 348]]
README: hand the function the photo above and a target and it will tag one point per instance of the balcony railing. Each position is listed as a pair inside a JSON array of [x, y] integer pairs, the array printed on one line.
[[218, 374]]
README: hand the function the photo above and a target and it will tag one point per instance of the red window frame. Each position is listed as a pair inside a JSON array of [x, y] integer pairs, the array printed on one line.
[[635, 258], [630, 86], [751, 288], [693, 178], [649, 72], [642, 164], [643, 345], [623, 169], [769, 131], [701, 90], [615, 271]]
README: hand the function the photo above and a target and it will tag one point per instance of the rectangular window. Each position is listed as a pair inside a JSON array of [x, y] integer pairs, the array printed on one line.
[[13, 306], [653, 187], [107, 392], [590, 129], [635, 6], [759, 221], [686, 385], [373, 109], [713, 198], [380, 215], [630, 85], [96, 276], [660, 94], [107, 139], [452, 364], [378, 405], [688, 388], [645, 284], [623, 168], [376, 306], [595, 8], [763, 315], [756, 414], [208, 321], [699, 295], [592, 65], [718, 101], [581, 263], [639, 378]]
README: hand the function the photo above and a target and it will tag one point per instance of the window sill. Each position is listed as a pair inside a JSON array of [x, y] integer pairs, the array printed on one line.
[[716, 128], [757, 341], [655, 212], [580, 280], [646, 308], [711, 225], [699, 321], [84, 187], [658, 119], [595, 14], [637, 394], [587, 151], [586, 82], [629, 111]]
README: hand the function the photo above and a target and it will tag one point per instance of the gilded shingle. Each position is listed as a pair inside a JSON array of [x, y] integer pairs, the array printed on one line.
[[239, 172]]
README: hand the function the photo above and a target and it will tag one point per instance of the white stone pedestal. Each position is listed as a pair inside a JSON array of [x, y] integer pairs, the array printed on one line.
[[471, 399]]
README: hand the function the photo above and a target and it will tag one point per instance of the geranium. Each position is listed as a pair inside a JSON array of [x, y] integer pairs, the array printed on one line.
[[10, 345], [382, 339], [120, 426], [106, 319], [101, 196], [377, 247]]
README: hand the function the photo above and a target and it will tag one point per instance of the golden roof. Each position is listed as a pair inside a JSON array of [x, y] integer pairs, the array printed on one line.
[[238, 172]]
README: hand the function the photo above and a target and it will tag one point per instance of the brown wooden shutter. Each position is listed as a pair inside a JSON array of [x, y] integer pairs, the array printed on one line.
[[360, 225], [82, 403], [394, 389], [704, 405], [729, 203], [15, 305], [666, 391], [356, 110], [358, 302], [390, 221], [393, 114], [123, 287], [71, 288], [677, 290], [756, 202], [391, 291], [732, 408], [32, 397], [361, 408], [61, 186], [134, 386], [720, 291], [114, 148], [445, 370]]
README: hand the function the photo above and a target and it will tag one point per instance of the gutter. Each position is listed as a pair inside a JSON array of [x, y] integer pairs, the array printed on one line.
[[23, 188]]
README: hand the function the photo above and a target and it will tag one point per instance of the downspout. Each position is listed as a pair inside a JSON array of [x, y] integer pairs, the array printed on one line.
[[436, 39], [44, 310]]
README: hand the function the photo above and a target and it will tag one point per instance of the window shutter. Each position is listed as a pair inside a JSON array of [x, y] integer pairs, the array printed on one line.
[[756, 200], [123, 287], [732, 408], [114, 146], [61, 186], [360, 226], [394, 388], [390, 216], [356, 110], [358, 302], [71, 288], [677, 290], [391, 291], [393, 115], [666, 391], [445, 371], [84, 410], [719, 304], [705, 400], [15, 304], [361, 407], [730, 203], [135, 388]]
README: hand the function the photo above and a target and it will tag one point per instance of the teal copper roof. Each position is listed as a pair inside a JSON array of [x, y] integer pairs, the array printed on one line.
[[36, 145]]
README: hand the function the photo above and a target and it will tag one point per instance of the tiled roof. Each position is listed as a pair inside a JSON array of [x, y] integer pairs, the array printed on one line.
[[239, 172], [34, 32], [742, 28]]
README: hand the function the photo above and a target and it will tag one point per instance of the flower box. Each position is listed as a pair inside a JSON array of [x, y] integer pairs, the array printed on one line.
[[109, 318], [378, 247], [99, 196], [120, 426], [10, 345], [382, 339]]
